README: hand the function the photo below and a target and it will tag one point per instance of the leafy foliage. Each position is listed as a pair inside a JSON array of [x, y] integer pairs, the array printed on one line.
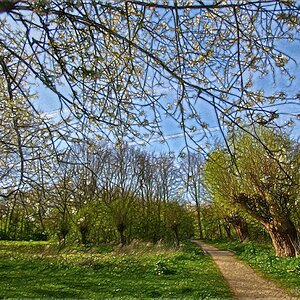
[[121, 193], [262, 179]]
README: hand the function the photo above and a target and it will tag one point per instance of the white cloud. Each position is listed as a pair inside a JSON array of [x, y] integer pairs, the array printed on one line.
[[174, 136]]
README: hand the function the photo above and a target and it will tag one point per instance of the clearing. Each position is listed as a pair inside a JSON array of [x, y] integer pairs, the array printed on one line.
[[139, 271]]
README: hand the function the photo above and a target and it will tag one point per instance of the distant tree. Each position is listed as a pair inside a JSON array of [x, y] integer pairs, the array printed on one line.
[[239, 224], [179, 221], [192, 171], [263, 180], [119, 185], [150, 203]]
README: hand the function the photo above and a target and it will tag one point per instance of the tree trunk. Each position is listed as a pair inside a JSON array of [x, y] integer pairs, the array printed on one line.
[[284, 237], [281, 229], [240, 226], [241, 230], [227, 230], [84, 230], [220, 231], [64, 230], [174, 227], [199, 221], [121, 229]]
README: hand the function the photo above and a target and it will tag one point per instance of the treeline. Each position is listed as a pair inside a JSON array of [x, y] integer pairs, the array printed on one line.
[[248, 190], [99, 193]]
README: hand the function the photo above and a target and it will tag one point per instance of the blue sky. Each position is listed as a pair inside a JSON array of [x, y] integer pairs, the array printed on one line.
[[49, 104]]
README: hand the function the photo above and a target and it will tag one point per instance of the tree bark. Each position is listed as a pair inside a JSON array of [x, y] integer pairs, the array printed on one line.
[[63, 232], [84, 230], [199, 221], [284, 238], [121, 229], [175, 227], [240, 226], [242, 231], [281, 229]]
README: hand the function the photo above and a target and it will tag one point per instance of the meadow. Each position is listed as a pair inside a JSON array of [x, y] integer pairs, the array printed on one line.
[[140, 270]]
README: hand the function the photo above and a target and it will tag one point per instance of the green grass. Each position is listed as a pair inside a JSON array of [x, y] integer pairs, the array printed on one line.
[[261, 257], [38, 270]]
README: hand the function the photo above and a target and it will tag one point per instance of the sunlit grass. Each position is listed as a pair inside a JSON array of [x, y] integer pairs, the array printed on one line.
[[36, 270]]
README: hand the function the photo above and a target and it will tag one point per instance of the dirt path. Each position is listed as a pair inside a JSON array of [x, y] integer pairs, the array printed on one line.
[[243, 281]]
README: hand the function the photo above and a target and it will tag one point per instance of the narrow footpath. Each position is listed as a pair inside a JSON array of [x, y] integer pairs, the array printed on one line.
[[244, 282]]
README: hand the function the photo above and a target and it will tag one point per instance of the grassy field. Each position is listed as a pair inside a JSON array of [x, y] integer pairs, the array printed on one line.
[[285, 271], [38, 269]]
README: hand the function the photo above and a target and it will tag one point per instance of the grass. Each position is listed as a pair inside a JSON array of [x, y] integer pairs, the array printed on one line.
[[39, 270], [284, 271]]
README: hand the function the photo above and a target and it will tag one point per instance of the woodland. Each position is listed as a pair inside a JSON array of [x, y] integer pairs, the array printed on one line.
[[87, 87]]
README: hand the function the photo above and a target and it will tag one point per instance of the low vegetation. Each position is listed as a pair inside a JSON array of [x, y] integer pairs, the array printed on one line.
[[139, 270], [261, 257]]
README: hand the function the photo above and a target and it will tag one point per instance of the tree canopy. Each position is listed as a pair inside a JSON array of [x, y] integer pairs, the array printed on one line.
[[119, 66], [263, 180], [121, 70]]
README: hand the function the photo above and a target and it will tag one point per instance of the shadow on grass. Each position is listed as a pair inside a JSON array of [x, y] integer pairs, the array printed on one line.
[[182, 274]]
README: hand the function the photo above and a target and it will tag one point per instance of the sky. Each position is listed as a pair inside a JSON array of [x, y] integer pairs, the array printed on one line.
[[49, 104], [173, 136]]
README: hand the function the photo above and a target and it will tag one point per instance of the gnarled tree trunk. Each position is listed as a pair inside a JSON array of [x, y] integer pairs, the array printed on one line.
[[284, 237], [276, 221], [240, 226]]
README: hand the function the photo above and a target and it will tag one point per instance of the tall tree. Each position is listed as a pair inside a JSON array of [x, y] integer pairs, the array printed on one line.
[[220, 186], [192, 169], [264, 181]]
